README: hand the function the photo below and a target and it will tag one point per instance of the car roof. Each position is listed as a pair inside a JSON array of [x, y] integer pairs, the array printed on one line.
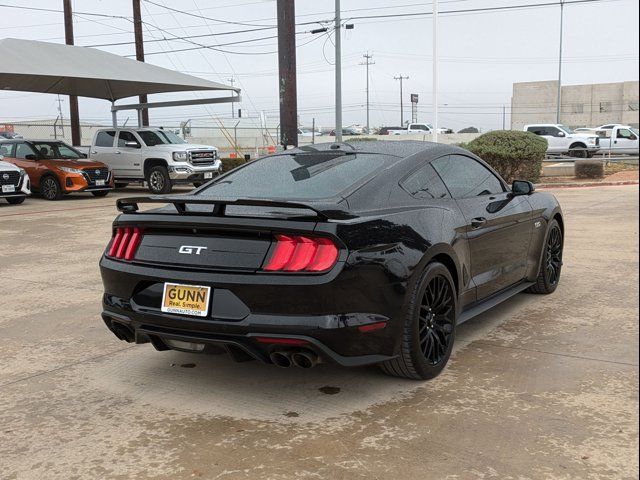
[[400, 149]]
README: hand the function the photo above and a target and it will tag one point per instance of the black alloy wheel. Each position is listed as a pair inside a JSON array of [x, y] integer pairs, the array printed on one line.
[[554, 255], [50, 188], [436, 320], [551, 266], [429, 327]]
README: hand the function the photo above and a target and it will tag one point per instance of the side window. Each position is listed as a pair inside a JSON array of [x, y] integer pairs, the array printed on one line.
[[24, 149], [466, 177], [425, 183], [538, 130], [105, 138], [625, 133], [6, 150], [554, 132], [124, 137]]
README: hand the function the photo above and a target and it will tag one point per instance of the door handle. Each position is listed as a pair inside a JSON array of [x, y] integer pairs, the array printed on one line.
[[478, 222], [117, 152]]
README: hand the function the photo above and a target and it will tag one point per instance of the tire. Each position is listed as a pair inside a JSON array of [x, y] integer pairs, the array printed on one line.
[[551, 265], [429, 328], [158, 180], [16, 200], [50, 188], [578, 151], [121, 185], [100, 193]]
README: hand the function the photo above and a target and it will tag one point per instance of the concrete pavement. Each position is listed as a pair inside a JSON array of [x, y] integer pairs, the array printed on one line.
[[541, 387]]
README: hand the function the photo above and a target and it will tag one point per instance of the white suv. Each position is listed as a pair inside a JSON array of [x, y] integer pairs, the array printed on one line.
[[563, 140], [155, 156], [14, 182]]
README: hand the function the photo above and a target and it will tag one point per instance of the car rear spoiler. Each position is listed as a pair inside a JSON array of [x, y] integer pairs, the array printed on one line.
[[323, 211]]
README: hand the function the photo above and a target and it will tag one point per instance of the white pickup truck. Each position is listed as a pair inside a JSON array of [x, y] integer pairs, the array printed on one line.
[[563, 140], [155, 156], [619, 139], [413, 128]]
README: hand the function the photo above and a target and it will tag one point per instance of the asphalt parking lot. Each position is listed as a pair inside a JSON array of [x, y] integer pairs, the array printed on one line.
[[541, 387]]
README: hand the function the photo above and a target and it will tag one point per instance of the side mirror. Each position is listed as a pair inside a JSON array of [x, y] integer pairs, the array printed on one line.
[[560, 134], [132, 145], [522, 187], [30, 156]]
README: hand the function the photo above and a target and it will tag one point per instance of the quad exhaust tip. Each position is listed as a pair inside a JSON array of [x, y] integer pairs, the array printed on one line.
[[300, 359]]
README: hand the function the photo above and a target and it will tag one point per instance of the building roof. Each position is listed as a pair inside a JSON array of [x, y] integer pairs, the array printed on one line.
[[42, 67]]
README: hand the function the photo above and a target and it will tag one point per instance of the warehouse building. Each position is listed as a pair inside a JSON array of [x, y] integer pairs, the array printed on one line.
[[582, 105]]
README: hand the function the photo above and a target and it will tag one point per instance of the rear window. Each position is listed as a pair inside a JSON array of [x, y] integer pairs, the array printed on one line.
[[300, 176]]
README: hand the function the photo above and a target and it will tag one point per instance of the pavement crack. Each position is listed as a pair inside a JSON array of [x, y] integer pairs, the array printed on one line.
[[533, 350]]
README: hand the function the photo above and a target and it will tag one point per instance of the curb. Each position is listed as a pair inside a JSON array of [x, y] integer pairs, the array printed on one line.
[[586, 184]]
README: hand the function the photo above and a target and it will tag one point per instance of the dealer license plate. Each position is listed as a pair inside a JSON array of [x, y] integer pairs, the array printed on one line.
[[8, 188], [186, 299], [208, 175], [99, 183]]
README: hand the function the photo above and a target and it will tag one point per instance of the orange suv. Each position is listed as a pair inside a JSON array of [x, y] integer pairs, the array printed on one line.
[[56, 168]]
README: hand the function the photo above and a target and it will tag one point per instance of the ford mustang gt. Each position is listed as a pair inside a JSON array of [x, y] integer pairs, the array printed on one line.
[[354, 255]]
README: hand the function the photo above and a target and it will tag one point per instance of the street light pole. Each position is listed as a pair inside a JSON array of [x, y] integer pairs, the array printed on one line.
[[232, 81], [435, 70], [338, 31], [559, 101]]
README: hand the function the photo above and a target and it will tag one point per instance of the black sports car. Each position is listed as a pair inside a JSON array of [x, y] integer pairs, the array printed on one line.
[[367, 254]]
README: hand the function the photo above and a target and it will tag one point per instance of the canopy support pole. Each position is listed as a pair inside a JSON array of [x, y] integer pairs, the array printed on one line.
[[114, 115]]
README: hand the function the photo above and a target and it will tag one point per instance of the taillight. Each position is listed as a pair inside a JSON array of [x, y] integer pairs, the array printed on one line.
[[125, 243], [294, 253]]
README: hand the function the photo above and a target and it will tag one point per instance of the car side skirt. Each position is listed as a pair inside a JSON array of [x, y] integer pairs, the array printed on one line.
[[488, 303]]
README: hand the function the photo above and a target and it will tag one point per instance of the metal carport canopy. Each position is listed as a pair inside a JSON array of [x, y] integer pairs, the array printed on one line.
[[43, 67]]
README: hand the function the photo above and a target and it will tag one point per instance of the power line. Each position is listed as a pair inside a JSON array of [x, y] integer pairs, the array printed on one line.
[[217, 20]]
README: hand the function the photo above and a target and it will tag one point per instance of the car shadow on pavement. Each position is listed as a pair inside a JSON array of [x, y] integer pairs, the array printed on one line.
[[214, 385]]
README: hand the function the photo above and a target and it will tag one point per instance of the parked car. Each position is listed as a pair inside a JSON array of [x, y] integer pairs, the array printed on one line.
[[387, 130], [305, 132], [8, 135], [413, 128], [621, 139], [155, 156], [15, 185], [350, 131], [360, 255], [563, 140], [56, 168]]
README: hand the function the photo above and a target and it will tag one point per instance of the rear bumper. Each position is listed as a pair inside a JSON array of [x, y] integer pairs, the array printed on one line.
[[323, 312], [243, 339]]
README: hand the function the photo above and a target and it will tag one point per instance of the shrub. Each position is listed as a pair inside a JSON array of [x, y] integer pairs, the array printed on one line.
[[514, 155], [231, 163], [589, 169]]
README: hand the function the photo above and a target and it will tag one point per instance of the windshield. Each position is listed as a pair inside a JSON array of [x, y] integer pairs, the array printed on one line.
[[56, 151], [312, 175], [566, 129], [152, 138], [635, 130]]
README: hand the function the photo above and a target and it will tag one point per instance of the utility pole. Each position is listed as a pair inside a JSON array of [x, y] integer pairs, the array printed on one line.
[[287, 70], [233, 104], [338, 32], [367, 62], [435, 71], [401, 78], [559, 102], [504, 117], [73, 100], [137, 33]]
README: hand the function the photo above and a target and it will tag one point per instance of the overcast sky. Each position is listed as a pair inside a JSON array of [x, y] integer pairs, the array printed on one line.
[[481, 54]]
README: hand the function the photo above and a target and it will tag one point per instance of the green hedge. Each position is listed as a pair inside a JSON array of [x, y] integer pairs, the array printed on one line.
[[589, 169], [514, 154], [231, 163]]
